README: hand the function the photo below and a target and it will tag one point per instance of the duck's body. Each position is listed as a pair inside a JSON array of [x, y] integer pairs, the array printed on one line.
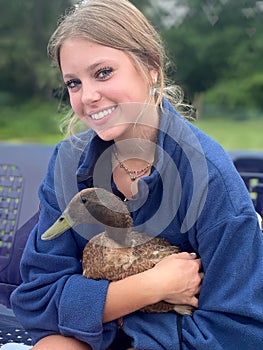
[[118, 252], [104, 259], [113, 262]]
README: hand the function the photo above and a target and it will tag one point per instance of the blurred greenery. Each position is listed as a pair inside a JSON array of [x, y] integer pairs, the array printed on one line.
[[32, 121], [234, 135], [218, 52], [215, 50], [231, 134]]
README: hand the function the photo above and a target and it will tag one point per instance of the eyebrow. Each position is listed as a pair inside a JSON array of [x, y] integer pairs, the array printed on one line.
[[91, 68]]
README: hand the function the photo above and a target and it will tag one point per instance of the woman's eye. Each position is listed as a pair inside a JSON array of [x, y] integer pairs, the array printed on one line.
[[71, 84], [104, 73]]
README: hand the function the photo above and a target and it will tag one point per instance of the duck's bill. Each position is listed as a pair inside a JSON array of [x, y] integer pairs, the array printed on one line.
[[59, 227]]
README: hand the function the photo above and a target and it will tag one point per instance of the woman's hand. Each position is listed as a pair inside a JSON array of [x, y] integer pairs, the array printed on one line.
[[177, 279]]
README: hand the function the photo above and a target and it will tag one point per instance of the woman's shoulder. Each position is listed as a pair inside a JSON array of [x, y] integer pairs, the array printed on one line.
[[214, 153], [222, 175], [71, 148]]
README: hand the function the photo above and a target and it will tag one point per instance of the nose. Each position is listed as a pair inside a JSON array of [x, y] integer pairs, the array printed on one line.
[[90, 93]]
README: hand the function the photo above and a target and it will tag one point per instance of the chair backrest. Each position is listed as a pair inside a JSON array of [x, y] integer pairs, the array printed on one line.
[[22, 167], [250, 167]]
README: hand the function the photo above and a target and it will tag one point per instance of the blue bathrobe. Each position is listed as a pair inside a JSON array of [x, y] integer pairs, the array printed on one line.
[[193, 197]]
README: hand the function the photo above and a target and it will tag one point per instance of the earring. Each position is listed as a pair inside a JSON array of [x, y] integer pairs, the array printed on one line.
[[152, 91]]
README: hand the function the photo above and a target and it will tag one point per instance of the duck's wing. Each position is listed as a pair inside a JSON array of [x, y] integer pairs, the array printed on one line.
[[102, 259], [155, 250], [113, 264]]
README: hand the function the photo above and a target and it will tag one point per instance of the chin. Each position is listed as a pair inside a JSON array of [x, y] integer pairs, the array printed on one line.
[[111, 134]]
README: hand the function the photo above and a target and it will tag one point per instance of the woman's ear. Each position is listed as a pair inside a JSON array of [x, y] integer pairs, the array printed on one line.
[[154, 76]]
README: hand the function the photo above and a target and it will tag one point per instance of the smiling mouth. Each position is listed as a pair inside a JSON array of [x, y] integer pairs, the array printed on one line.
[[102, 114]]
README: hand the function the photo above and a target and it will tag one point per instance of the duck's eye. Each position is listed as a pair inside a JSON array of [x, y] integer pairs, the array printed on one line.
[[61, 219], [83, 200]]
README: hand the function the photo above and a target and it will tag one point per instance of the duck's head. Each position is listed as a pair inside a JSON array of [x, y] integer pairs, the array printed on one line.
[[91, 206]]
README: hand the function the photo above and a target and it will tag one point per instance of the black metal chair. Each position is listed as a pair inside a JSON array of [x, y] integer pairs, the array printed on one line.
[[22, 167], [250, 167]]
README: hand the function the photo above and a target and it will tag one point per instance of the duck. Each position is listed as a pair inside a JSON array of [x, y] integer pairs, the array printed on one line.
[[118, 251]]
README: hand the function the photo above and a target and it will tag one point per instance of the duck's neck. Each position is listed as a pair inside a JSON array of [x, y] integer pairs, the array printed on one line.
[[119, 235]]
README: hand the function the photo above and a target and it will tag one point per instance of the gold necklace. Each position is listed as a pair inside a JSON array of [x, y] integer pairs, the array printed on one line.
[[134, 174]]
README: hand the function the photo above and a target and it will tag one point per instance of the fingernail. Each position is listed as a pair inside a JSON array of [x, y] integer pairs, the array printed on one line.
[[193, 254]]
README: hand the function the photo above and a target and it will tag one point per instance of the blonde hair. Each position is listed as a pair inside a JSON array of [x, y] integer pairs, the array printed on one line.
[[120, 25]]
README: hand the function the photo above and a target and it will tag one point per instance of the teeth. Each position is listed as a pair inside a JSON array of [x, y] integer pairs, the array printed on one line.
[[102, 114]]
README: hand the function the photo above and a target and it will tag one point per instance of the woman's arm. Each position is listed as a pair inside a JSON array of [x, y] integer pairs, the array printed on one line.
[[175, 279], [231, 309]]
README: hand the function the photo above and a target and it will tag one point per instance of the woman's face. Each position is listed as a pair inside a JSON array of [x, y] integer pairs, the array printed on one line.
[[106, 90]]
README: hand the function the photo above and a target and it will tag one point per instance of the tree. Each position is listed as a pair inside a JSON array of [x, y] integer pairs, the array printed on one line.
[[216, 41], [24, 31]]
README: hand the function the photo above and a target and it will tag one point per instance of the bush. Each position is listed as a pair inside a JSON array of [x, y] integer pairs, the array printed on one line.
[[239, 100]]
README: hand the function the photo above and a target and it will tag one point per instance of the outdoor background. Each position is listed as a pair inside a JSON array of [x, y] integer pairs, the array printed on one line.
[[216, 53]]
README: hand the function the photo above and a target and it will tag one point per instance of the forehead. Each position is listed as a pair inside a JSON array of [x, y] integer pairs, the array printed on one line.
[[83, 50]]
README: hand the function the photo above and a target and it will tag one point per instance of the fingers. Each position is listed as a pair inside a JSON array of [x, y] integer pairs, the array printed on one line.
[[194, 302], [190, 256], [198, 288], [185, 255], [181, 276], [195, 298], [201, 274]]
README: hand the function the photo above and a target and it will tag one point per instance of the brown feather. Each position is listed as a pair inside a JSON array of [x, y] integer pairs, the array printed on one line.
[[104, 259]]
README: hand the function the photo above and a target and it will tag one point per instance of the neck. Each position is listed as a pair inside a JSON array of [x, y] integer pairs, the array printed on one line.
[[135, 148], [119, 235], [141, 137]]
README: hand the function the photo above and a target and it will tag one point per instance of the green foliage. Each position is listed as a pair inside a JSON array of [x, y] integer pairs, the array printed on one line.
[[218, 46], [142, 5], [245, 95], [25, 28], [35, 120]]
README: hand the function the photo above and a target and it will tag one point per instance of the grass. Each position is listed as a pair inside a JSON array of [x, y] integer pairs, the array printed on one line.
[[233, 134], [34, 121], [38, 121]]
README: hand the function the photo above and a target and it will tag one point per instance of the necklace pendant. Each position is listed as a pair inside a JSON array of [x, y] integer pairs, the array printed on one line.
[[133, 174]]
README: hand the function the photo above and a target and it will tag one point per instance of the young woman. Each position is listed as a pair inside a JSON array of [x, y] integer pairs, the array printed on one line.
[[178, 184]]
